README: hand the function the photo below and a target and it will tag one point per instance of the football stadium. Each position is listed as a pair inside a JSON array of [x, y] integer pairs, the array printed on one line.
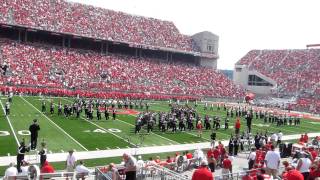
[[93, 93]]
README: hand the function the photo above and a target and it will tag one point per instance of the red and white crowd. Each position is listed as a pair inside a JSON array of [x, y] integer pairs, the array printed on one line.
[[57, 70], [295, 71], [89, 21]]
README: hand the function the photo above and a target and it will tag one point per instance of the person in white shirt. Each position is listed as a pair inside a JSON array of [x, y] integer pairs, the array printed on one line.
[[304, 164], [71, 161], [80, 168], [280, 134], [272, 160], [274, 138], [24, 168], [11, 171], [252, 158], [140, 163], [140, 166]]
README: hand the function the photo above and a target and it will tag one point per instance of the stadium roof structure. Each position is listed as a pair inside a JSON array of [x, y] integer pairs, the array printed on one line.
[[81, 20]]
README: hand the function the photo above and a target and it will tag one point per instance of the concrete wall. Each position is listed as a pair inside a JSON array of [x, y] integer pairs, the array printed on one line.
[[208, 62], [240, 77], [203, 40]]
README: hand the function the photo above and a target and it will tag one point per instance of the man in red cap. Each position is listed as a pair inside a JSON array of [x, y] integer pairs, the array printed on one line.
[[203, 172], [292, 174]]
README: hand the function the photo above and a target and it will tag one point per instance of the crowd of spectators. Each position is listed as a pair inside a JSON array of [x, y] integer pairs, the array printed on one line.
[[55, 68], [295, 71], [84, 20]]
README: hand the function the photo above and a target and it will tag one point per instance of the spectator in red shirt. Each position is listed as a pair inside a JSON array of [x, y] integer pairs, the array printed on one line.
[[301, 140], [314, 173], [293, 174], [189, 155], [247, 176], [314, 153], [237, 125], [216, 153], [210, 152], [47, 168], [305, 138], [169, 160], [203, 172], [226, 166]]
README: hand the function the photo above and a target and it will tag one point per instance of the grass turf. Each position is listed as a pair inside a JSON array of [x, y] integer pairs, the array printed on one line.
[[63, 134]]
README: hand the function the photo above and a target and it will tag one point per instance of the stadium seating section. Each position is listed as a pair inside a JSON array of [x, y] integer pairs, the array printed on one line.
[[83, 20], [295, 71], [57, 68]]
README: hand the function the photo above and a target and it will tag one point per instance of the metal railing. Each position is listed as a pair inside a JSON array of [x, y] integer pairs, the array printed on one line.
[[236, 175], [60, 175], [152, 172]]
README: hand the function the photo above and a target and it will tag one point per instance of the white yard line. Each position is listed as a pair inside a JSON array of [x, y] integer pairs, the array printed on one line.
[[104, 128], [108, 131], [133, 126], [11, 127], [55, 124]]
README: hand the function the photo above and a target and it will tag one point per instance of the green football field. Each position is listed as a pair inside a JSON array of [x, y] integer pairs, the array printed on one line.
[[62, 134]]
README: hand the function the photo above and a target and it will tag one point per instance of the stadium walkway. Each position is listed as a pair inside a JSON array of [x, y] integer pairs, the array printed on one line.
[[56, 157]]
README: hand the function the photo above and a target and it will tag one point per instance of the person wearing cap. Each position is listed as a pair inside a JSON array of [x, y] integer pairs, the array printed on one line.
[[20, 156], [81, 170], [304, 164], [130, 164], [140, 165], [292, 174], [34, 128], [71, 161], [202, 173]]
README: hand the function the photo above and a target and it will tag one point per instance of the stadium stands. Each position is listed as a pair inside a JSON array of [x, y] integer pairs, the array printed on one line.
[[295, 71], [88, 21], [38, 66]]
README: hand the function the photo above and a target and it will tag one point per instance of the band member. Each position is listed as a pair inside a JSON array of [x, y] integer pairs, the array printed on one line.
[[207, 123], [20, 156], [51, 108], [10, 97], [98, 113], [114, 114], [59, 109], [34, 129], [199, 128], [43, 108], [43, 154], [226, 123], [138, 126], [7, 107], [78, 111], [106, 113], [213, 138]]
